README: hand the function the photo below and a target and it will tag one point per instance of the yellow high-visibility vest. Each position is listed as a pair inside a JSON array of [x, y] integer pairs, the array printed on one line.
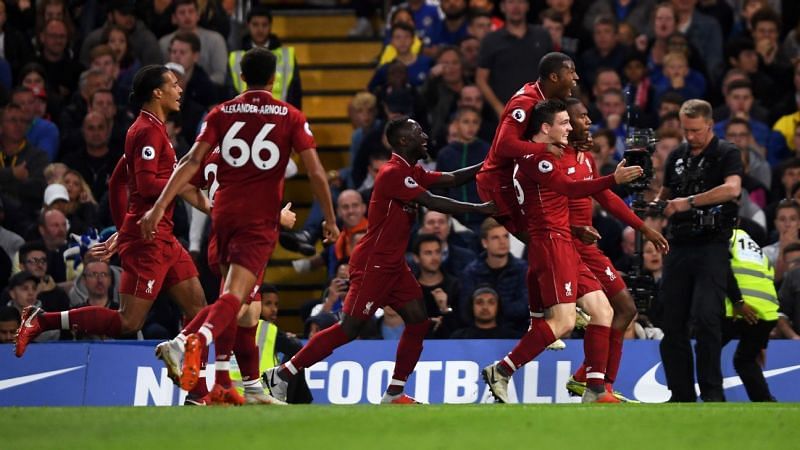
[[266, 335], [755, 276], [284, 71]]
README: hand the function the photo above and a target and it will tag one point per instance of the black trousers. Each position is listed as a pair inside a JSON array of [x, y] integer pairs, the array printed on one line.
[[752, 339], [693, 289]]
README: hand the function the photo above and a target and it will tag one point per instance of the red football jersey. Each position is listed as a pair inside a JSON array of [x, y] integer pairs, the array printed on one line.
[[581, 208], [542, 190], [150, 161], [256, 134], [390, 215], [509, 141]]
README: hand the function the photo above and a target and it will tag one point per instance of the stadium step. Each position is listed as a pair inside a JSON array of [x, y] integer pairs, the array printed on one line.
[[322, 24], [325, 80], [332, 134], [340, 53], [326, 106]]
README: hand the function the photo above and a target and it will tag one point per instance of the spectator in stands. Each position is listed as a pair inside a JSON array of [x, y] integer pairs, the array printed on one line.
[[573, 26], [141, 41], [213, 51], [173, 124], [427, 17], [484, 310], [741, 24], [21, 170], [364, 117], [498, 268], [351, 210], [117, 39], [22, 291], [509, 57], [95, 286], [740, 53], [479, 23], [739, 100], [470, 47], [788, 111], [417, 65], [703, 32], [676, 76], [456, 255], [605, 79], [33, 259], [33, 77], [334, 294], [10, 242], [287, 73], [738, 131], [441, 91], [606, 52], [186, 49], [439, 290], [766, 30], [454, 26], [10, 320], [118, 119], [604, 149], [390, 324], [41, 133], [16, 47], [553, 22], [636, 13], [399, 15], [789, 295], [72, 115], [61, 70], [103, 58], [788, 175], [787, 224], [611, 104], [639, 88], [81, 209], [471, 97], [94, 161], [52, 229], [466, 151]]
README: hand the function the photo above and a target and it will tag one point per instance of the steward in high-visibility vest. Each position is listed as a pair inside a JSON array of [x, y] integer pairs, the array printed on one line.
[[287, 76], [751, 310], [266, 337]]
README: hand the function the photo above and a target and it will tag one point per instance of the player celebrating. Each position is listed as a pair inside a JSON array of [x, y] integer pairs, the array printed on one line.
[[579, 165], [147, 265], [557, 77], [556, 276], [379, 275], [256, 134]]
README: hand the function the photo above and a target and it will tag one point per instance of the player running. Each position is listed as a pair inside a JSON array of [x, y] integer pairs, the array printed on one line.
[[148, 265], [578, 164], [557, 77], [256, 134], [379, 275], [556, 276]]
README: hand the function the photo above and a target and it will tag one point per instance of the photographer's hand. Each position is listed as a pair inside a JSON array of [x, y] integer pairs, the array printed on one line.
[[677, 205], [656, 238]]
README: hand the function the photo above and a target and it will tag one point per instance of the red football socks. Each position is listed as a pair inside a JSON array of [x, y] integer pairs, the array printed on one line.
[[220, 315], [538, 337], [223, 346], [246, 352], [318, 348], [595, 349], [96, 320], [580, 374], [409, 348], [616, 338]]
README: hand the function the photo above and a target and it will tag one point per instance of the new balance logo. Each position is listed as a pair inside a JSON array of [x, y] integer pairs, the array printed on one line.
[[610, 274], [150, 285], [568, 289]]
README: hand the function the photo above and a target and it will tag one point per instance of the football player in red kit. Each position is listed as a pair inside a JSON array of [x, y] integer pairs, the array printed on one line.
[[579, 165], [379, 274], [557, 278], [147, 265], [256, 134], [557, 77]]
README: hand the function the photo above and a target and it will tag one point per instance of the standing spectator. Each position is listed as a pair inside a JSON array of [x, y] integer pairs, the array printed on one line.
[[454, 26], [41, 133], [439, 290], [213, 50], [21, 171], [509, 57], [480, 23], [606, 52], [33, 259], [703, 32], [61, 70], [286, 85], [142, 43], [186, 49], [506, 274], [484, 310], [10, 320], [441, 91]]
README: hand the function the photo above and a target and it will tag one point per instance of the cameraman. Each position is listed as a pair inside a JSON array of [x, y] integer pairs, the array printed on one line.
[[702, 181]]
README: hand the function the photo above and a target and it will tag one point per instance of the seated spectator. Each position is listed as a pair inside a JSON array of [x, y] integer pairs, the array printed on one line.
[[390, 324], [787, 224], [606, 52], [10, 320], [185, 49], [481, 21], [119, 119], [41, 133], [738, 132], [52, 231], [117, 39], [786, 177], [33, 259], [456, 249], [72, 115], [212, 49], [454, 26], [627, 244], [739, 100], [364, 117], [471, 96], [22, 293], [604, 150], [21, 171], [670, 102], [427, 18], [10, 242], [439, 290], [54, 172], [94, 161], [640, 89], [741, 24], [96, 286], [703, 32], [470, 48], [498, 268], [174, 127], [141, 41], [636, 13], [741, 54], [667, 141], [192, 112], [466, 151], [765, 29], [605, 79], [484, 310], [676, 76], [789, 115], [61, 70], [789, 295], [417, 65], [441, 91], [81, 208], [333, 296], [611, 104], [319, 322], [399, 15], [17, 49], [104, 58]]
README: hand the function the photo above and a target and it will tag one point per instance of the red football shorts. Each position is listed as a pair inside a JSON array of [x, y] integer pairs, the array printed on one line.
[[149, 266], [370, 290], [556, 274], [509, 213], [213, 265], [247, 244], [599, 264]]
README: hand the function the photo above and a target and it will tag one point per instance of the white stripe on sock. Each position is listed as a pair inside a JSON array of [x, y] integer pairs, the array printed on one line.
[[292, 369], [222, 365], [397, 382], [180, 343], [202, 374], [595, 375], [251, 383], [65, 320], [206, 334], [537, 314], [181, 337], [510, 364]]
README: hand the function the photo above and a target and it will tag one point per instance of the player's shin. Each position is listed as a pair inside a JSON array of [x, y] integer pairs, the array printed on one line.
[[538, 337], [246, 352], [223, 346], [595, 347], [408, 351], [318, 348]]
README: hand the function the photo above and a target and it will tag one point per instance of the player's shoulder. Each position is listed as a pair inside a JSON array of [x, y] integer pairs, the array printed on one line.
[[543, 163]]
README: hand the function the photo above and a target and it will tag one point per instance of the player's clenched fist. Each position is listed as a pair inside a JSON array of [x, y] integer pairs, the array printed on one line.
[[149, 221], [625, 174]]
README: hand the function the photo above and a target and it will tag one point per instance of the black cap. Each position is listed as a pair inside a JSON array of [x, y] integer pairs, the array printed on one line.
[[126, 7], [20, 278]]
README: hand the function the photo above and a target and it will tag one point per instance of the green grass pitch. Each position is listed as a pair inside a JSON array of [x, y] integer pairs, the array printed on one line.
[[496, 427]]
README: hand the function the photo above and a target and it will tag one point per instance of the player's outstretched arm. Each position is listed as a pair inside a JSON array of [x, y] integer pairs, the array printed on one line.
[[187, 167], [322, 192], [450, 206], [456, 177]]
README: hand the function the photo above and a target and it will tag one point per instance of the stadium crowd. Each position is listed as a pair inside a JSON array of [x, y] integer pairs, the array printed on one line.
[[67, 68]]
